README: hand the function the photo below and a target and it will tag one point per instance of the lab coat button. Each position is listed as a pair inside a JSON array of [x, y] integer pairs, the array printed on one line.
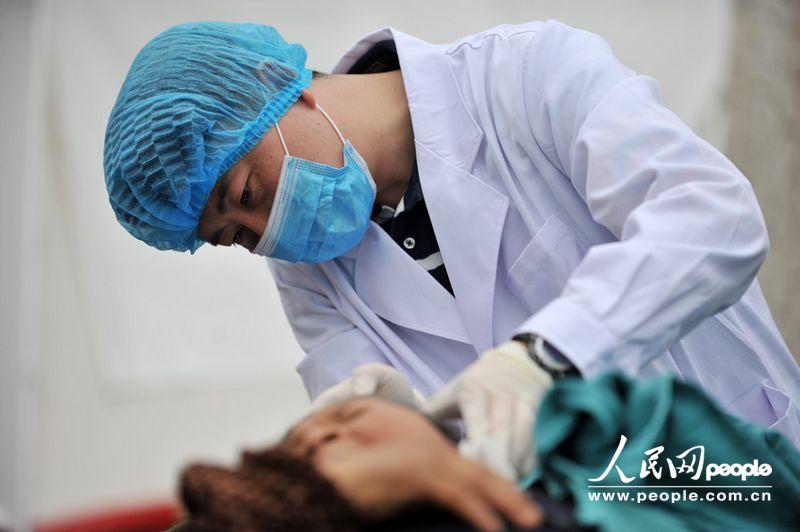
[[409, 243]]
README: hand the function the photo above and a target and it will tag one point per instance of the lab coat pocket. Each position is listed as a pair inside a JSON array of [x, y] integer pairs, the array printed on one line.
[[541, 271]]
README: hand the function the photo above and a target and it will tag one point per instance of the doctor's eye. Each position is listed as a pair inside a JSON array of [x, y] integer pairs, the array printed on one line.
[[245, 199]]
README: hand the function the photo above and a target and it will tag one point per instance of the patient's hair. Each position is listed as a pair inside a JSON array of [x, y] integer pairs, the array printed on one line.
[[268, 490]]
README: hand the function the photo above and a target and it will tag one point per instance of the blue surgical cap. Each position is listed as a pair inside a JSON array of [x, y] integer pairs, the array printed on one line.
[[197, 98]]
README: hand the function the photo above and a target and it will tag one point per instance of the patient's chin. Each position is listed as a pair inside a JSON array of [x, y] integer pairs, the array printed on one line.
[[450, 429]]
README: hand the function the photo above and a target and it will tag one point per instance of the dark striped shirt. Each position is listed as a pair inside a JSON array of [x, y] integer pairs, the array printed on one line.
[[410, 226], [408, 223]]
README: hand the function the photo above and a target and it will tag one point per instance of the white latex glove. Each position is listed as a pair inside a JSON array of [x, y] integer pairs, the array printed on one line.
[[497, 397], [370, 379]]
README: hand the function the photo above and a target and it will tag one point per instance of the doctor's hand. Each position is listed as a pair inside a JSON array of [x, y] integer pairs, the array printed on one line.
[[497, 397], [371, 379]]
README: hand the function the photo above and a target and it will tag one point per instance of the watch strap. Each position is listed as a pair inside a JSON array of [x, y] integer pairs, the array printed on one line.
[[539, 351]]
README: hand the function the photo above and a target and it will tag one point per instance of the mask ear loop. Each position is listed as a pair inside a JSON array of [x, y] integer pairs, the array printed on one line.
[[331, 122], [283, 142], [327, 116]]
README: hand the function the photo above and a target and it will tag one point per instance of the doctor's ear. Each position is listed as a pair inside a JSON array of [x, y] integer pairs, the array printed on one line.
[[308, 98]]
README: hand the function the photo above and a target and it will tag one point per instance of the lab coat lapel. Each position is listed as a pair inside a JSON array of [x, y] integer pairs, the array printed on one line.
[[399, 290], [467, 214], [468, 218]]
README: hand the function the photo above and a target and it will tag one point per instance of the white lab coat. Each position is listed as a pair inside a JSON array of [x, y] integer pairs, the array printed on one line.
[[567, 201]]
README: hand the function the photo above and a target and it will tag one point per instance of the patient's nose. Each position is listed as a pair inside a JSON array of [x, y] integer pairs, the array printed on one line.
[[312, 438]]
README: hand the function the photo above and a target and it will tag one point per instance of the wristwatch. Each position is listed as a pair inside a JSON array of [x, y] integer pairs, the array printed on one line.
[[546, 356]]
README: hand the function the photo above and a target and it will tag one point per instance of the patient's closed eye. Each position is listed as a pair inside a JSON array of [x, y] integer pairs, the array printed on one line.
[[330, 437], [349, 411]]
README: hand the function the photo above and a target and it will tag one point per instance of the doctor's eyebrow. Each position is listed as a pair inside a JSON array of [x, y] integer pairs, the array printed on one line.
[[222, 190]]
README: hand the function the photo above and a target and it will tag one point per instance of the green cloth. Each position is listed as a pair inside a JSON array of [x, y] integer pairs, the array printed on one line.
[[578, 431]]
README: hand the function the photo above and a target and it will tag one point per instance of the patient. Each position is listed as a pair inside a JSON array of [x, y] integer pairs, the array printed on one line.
[[347, 466], [370, 464]]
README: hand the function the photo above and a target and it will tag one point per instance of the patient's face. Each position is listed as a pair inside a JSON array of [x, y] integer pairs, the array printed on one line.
[[359, 426], [382, 456], [378, 454]]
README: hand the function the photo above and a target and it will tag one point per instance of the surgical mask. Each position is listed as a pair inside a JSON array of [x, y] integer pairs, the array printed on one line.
[[320, 211]]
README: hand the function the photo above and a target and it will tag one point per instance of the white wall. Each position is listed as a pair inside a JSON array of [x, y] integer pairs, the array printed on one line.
[[131, 362], [14, 36]]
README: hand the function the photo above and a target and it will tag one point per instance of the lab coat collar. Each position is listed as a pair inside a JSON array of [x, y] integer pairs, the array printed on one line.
[[433, 96], [467, 214], [398, 289]]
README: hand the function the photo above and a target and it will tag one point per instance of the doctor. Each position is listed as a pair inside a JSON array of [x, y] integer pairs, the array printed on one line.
[[494, 213]]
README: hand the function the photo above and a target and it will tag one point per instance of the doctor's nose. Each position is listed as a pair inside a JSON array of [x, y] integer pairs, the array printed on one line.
[[251, 225]]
